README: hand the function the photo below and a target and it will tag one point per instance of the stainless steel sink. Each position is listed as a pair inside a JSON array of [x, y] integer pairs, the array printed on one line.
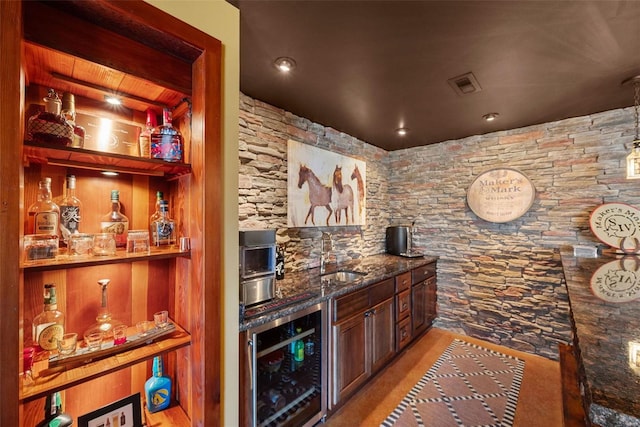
[[341, 277]]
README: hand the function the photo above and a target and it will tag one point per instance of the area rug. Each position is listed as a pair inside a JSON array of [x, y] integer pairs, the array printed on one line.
[[469, 385]]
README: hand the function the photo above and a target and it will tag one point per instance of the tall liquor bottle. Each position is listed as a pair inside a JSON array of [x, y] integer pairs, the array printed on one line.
[[69, 113], [115, 222], [44, 214], [157, 389], [145, 135], [48, 326], [70, 207], [156, 214], [163, 228], [166, 141]]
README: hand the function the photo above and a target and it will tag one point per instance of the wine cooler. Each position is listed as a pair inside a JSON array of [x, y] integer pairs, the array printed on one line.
[[286, 369]]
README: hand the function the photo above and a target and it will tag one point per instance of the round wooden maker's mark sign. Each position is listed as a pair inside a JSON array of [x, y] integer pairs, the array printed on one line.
[[501, 195]]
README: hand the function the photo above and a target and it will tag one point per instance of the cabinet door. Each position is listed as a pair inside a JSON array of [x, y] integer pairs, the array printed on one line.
[[431, 300], [418, 308], [382, 333], [351, 365]]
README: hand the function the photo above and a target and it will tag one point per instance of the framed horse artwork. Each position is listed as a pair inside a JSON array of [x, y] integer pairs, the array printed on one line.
[[324, 188]]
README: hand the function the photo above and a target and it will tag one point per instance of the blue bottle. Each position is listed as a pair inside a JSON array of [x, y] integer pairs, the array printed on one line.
[[157, 389]]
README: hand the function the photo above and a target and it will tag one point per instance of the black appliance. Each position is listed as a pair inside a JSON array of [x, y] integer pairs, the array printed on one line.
[[399, 241]]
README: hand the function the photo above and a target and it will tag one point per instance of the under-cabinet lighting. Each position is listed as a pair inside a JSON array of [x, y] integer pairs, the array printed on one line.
[[109, 173], [402, 131], [490, 117], [113, 100]]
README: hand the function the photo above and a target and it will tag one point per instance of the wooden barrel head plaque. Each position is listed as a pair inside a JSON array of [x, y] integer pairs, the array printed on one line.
[[501, 195]]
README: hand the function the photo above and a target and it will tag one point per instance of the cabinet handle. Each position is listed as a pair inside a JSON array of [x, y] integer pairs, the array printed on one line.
[[250, 360], [404, 306]]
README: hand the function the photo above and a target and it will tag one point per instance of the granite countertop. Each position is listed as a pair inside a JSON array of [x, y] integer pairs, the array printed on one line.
[[303, 289], [604, 295]]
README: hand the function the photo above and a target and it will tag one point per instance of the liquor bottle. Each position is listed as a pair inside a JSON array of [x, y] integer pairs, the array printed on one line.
[[70, 207], [53, 415], [116, 222], [279, 263], [298, 355], [166, 141], [69, 113], [156, 214], [163, 229], [157, 389], [48, 326], [49, 126], [44, 214], [145, 135]]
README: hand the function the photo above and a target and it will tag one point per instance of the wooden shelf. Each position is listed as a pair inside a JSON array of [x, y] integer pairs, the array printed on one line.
[[49, 380], [96, 160], [66, 261], [173, 416]]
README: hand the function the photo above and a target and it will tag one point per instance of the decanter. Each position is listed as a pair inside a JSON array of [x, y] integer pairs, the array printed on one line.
[[166, 141], [49, 126], [104, 322]]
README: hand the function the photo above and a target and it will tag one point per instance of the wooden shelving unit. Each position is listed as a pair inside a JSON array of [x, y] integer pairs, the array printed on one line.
[[127, 47]]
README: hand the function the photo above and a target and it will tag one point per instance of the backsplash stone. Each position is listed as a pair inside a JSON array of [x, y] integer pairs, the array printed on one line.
[[499, 282]]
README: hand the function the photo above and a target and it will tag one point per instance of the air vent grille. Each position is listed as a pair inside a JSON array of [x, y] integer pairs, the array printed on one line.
[[465, 84]]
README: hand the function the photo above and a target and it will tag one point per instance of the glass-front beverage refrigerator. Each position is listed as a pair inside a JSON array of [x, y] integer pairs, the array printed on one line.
[[285, 360]]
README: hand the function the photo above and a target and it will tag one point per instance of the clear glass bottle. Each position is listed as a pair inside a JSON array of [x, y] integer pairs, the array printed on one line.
[[166, 141], [116, 222], [48, 326], [49, 126], [70, 208], [145, 135], [43, 215], [163, 229], [156, 214], [69, 113], [104, 322]]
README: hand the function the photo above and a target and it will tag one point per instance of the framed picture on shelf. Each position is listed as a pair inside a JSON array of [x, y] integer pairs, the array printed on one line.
[[123, 413]]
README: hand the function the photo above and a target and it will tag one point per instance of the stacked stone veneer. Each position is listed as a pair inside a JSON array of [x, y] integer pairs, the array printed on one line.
[[499, 282]]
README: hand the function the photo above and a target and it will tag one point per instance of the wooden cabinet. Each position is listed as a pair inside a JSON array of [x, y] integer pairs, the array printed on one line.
[[151, 59], [363, 331], [423, 298]]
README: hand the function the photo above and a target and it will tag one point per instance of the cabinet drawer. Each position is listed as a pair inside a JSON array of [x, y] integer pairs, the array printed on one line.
[[350, 304], [381, 291], [403, 333], [403, 281], [421, 273], [403, 304]]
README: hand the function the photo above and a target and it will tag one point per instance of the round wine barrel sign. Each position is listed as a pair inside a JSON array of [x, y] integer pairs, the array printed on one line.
[[501, 195]]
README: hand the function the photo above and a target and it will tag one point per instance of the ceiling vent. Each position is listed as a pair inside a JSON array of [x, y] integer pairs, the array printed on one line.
[[466, 84]]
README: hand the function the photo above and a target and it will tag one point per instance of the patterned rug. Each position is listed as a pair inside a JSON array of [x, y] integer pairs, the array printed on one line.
[[468, 386]]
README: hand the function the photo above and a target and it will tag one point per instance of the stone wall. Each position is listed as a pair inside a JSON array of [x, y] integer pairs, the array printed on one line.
[[499, 282]]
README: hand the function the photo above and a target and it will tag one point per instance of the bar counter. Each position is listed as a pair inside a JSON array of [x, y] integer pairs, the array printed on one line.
[[604, 296]]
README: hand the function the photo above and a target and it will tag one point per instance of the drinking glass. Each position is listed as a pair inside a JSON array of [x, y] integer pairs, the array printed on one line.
[[161, 318], [138, 241], [104, 244], [93, 341], [67, 344], [119, 334]]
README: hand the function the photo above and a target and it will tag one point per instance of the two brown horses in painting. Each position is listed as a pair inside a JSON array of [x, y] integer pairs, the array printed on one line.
[[360, 182]]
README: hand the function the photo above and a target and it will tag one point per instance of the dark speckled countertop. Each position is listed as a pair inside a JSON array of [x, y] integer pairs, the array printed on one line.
[[303, 289], [604, 293]]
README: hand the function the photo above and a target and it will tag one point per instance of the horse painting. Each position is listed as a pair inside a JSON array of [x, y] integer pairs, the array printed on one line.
[[344, 197], [360, 183], [319, 194]]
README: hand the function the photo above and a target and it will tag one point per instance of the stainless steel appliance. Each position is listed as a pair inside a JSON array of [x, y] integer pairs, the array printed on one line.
[[287, 388], [257, 266], [400, 241]]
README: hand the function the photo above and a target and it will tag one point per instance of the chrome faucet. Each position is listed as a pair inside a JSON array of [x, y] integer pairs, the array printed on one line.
[[327, 245]]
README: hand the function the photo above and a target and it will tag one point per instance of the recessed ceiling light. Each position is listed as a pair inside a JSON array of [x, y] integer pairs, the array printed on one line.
[[402, 131], [490, 117], [113, 100], [285, 64]]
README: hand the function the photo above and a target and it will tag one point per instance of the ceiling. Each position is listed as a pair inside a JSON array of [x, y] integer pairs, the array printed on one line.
[[366, 68]]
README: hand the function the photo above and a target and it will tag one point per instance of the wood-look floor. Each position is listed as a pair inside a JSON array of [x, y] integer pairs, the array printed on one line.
[[539, 402]]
